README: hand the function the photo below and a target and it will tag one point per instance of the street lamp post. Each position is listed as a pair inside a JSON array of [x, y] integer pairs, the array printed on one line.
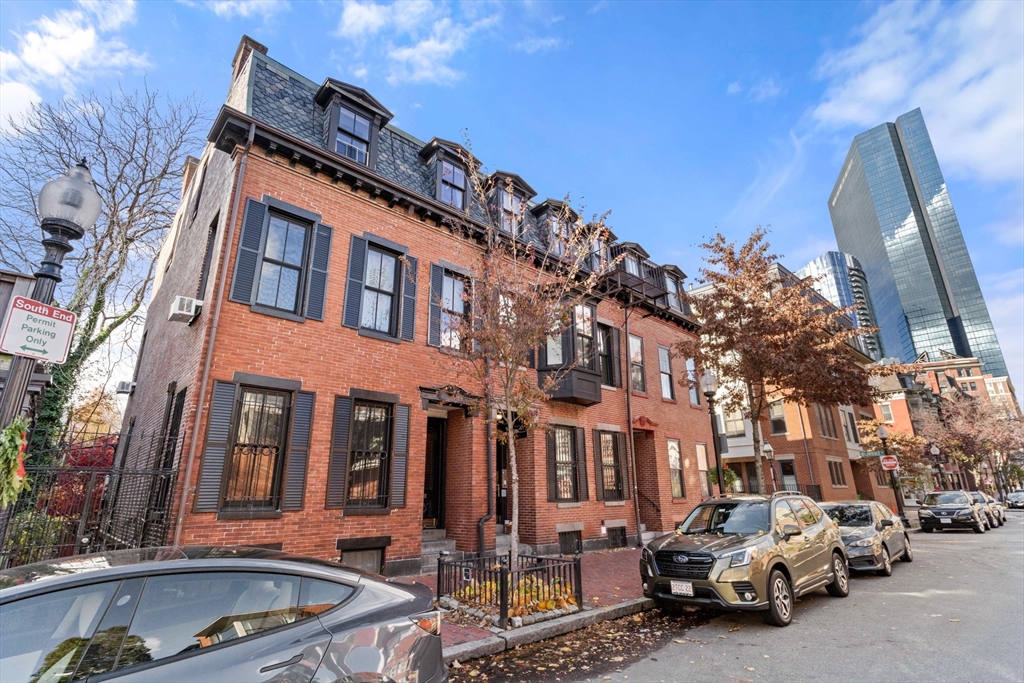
[[897, 489], [68, 206], [934, 450], [709, 384]]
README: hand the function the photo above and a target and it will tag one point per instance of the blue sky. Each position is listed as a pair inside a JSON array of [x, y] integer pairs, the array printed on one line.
[[680, 118]]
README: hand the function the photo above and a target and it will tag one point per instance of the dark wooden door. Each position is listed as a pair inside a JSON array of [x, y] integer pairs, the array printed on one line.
[[433, 480]]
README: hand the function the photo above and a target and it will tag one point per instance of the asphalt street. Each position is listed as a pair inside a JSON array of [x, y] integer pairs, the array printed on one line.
[[954, 614]]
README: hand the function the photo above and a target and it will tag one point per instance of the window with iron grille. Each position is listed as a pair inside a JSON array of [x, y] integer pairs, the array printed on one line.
[[584, 323], [253, 477], [565, 464], [283, 267], [380, 290], [637, 378], [570, 542], [734, 424], [836, 473], [675, 469], [453, 185], [369, 460], [691, 375], [617, 537], [453, 309], [777, 416], [826, 421], [611, 473], [665, 369], [353, 135]]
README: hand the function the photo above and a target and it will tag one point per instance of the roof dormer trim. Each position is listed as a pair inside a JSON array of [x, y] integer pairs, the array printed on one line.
[[500, 178], [354, 95]]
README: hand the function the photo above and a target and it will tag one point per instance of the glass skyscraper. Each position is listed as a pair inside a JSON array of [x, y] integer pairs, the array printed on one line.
[[891, 211], [840, 278]]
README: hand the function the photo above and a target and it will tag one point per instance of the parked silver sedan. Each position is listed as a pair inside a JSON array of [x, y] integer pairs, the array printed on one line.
[[213, 614], [873, 535]]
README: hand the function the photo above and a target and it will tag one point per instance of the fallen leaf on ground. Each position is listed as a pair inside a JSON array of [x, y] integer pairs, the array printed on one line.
[[749, 668], [733, 629], [954, 620], [723, 637], [456, 665], [616, 659]]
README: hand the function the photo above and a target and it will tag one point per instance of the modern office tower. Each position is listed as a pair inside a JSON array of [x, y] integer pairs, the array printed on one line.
[[839, 278], [890, 209]]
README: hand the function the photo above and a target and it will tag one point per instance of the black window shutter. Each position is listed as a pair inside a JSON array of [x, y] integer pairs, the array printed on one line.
[[616, 358], [298, 452], [434, 324], [598, 468], [338, 468], [247, 260], [581, 463], [400, 467], [318, 272], [623, 465], [409, 300], [531, 358], [218, 437], [552, 471], [354, 286]]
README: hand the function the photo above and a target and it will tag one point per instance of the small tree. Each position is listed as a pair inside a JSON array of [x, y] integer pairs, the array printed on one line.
[[908, 447], [519, 297], [135, 143], [768, 336]]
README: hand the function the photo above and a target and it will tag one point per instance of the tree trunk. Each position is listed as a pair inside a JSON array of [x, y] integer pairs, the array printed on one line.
[[755, 422], [514, 475]]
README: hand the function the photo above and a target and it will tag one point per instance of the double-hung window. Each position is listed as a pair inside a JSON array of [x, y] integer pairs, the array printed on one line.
[[826, 421], [672, 286], [631, 265], [511, 212], [637, 378], [253, 478], [453, 185], [567, 483], [665, 368], [675, 469], [836, 473], [691, 375], [380, 290], [777, 417], [558, 236], [353, 135], [453, 310], [610, 475], [607, 355], [584, 324], [734, 424], [370, 446], [284, 259], [886, 410]]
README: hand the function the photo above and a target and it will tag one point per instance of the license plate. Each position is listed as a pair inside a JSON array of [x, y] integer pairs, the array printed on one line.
[[946, 521], [684, 588]]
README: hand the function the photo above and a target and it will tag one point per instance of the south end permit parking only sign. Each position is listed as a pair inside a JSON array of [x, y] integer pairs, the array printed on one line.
[[38, 331]]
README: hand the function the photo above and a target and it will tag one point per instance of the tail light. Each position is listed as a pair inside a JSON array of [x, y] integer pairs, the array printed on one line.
[[428, 621]]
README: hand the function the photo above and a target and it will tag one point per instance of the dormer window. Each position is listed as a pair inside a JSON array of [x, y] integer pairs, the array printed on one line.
[[453, 185], [353, 135], [631, 265], [672, 285], [558, 237], [511, 212]]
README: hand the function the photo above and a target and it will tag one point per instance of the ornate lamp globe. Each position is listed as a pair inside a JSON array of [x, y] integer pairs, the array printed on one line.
[[709, 383], [70, 202]]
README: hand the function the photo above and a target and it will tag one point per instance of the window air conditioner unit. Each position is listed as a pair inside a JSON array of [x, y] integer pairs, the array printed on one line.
[[184, 309], [125, 387]]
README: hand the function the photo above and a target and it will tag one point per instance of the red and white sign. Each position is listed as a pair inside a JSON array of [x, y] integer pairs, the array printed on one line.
[[35, 330], [889, 462]]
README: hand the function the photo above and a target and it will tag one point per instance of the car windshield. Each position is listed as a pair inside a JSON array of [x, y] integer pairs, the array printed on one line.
[[849, 515], [946, 498], [1016, 496], [978, 498], [727, 518]]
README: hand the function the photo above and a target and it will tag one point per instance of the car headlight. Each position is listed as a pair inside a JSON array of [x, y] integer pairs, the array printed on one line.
[[864, 542], [646, 555], [741, 557], [965, 514], [926, 513]]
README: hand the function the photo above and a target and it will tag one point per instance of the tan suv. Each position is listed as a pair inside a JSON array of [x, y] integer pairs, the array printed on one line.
[[747, 553]]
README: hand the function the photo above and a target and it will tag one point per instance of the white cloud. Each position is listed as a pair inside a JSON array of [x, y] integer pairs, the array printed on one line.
[[734, 88], [767, 89], [227, 9], [963, 65], [426, 61], [360, 20], [599, 7], [534, 45], [63, 50], [360, 71]]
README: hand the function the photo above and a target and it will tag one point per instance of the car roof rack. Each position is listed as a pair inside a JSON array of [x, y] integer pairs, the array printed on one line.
[[786, 493]]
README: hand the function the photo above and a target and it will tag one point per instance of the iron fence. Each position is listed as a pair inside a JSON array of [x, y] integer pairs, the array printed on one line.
[[492, 585]]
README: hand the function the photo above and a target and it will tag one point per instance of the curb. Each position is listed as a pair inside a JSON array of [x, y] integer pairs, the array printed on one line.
[[544, 630]]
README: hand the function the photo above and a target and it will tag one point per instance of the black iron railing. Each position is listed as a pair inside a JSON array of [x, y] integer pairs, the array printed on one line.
[[492, 585]]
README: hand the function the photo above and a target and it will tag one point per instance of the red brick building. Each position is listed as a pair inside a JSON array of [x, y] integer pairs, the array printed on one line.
[[306, 401]]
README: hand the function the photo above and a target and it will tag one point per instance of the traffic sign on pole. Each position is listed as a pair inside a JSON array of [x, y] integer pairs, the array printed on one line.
[[35, 330], [889, 462]]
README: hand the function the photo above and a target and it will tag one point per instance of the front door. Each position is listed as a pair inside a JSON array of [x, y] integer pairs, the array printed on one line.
[[502, 510], [433, 480], [788, 471]]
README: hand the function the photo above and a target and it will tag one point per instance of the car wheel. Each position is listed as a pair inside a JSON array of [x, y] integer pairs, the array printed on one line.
[[840, 586], [988, 525], [908, 552], [886, 569], [979, 528], [927, 529], [780, 600]]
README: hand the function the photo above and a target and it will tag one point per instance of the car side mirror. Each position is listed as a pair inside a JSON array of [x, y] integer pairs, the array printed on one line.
[[887, 522], [791, 530]]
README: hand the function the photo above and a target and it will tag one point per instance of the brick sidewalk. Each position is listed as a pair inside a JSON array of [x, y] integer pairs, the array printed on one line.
[[609, 577]]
